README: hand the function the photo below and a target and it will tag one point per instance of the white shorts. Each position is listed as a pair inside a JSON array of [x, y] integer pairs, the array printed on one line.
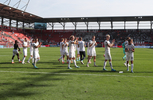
[[78, 51], [108, 56], [36, 55], [129, 57], [65, 53], [31, 52], [92, 53], [71, 54], [15, 52], [25, 52]]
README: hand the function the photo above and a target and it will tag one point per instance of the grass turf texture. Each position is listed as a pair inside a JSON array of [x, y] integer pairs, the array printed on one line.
[[53, 81]]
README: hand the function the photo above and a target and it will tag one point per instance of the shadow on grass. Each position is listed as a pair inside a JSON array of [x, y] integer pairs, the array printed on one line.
[[19, 89]]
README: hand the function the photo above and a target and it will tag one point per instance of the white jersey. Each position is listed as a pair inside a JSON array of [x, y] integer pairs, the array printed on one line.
[[61, 43], [65, 48], [71, 46], [107, 48], [35, 49], [92, 48], [25, 44], [130, 47], [81, 45]]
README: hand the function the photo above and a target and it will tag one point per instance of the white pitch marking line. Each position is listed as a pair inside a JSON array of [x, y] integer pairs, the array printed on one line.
[[71, 74]]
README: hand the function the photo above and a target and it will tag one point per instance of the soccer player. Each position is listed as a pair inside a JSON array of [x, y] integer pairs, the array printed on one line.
[[72, 51], [15, 52], [65, 50], [31, 50], [78, 51], [123, 45], [92, 51], [88, 50], [107, 53], [25, 46], [82, 45], [61, 49], [129, 49], [36, 56]]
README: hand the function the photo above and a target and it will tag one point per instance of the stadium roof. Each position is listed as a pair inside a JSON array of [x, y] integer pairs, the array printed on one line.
[[99, 19], [16, 14]]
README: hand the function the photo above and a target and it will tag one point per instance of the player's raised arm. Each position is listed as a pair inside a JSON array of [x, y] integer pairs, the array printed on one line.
[[110, 45]]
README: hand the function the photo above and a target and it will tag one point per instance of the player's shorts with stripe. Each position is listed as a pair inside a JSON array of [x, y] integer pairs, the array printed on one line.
[[88, 51], [15, 51], [36, 55], [108, 56], [71, 54], [129, 57], [65, 53], [92, 53], [31, 53]]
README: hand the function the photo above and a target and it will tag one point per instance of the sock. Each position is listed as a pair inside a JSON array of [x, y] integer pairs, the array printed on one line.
[[74, 62], [110, 63], [19, 59], [87, 63], [12, 60], [61, 57], [37, 60], [131, 67], [94, 63], [23, 59], [30, 58], [105, 62], [128, 66], [69, 62]]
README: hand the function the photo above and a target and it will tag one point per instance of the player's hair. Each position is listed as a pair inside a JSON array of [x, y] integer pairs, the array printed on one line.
[[128, 38], [65, 39], [71, 36], [80, 38], [16, 41], [62, 39], [107, 35], [93, 36]]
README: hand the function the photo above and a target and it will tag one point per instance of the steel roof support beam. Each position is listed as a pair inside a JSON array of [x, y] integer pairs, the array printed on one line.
[[87, 24], [138, 25], [111, 25], [99, 24], [63, 24], [17, 24], [124, 24], [10, 23], [75, 25], [2, 22]]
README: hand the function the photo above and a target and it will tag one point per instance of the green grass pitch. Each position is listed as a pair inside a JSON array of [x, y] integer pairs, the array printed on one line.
[[53, 81]]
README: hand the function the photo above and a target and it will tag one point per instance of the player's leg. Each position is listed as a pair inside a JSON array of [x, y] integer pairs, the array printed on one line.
[[18, 57], [95, 61], [89, 57], [84, 55], [132, 66], [132, 59], [127, 61], [78, 56], [104, 66], [61, 56], [31, 56], [69, 61], [24, 57], [81, 59], [124, 54], [13, 56]]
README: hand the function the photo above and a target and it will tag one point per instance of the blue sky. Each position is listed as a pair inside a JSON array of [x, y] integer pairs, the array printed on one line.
[[87, 8]]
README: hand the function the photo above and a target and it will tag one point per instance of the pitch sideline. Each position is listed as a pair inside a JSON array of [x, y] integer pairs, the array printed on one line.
[[72, 74]]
